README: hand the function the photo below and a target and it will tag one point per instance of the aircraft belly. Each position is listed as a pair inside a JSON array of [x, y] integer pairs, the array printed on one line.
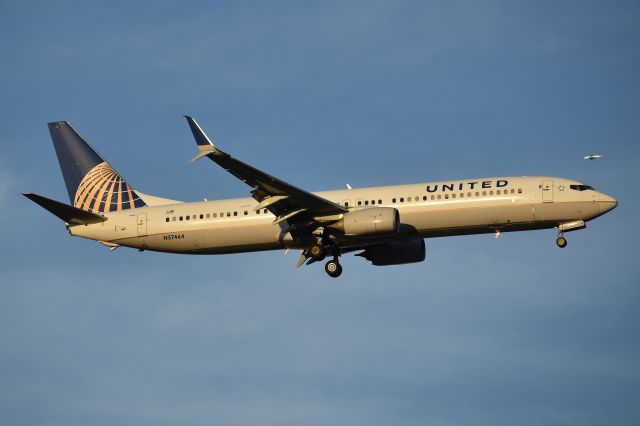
[[469, 216], [232, 239], [241, 238], [471, 219]]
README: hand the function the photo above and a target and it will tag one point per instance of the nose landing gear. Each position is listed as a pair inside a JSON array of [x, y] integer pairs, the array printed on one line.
[[566, 227], [561, 241]]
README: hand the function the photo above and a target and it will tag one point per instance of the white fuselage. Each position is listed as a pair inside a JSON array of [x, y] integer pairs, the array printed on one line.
[[433, 209]]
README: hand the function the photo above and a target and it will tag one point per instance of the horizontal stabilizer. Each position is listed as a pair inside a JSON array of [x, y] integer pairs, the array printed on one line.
[[71, 215]]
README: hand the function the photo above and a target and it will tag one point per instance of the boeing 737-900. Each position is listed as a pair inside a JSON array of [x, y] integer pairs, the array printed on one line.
[[388, 224]]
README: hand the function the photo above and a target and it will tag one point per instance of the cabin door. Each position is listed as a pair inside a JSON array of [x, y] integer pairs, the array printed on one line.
[[547, 191]]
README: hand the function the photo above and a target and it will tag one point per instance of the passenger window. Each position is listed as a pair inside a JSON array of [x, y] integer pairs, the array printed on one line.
[[424, 198], [519, 191], [181, 218], [359, 203], [462, 195], [167, 220], [246, 212], [215, 215], [408, 199], [346, 204], [468, 195], [393, 201], [373, 202], [228, 214], [491, 192], [235, 213], [402, 199], [439, 197], [513, 191], [201, 216], [453, 195], [188, 217], [173, 219], [484, 193], [477, 194], [208, 215], [366, 203], [498, 192], [264, 211], [446, 196], [379, 201], [433, 197]]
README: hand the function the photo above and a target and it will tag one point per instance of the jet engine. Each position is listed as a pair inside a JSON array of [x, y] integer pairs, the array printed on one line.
[[369, 222], [395, 252]]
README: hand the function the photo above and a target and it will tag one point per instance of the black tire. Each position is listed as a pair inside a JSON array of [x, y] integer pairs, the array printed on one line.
[[333, 268], [561, 242], [317, 252]]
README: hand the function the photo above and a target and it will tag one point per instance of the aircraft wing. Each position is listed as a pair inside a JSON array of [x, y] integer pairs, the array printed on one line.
[[284, 200]]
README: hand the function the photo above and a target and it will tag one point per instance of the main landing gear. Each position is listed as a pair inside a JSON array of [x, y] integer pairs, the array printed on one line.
[[333, 268], [320, 250], [561, 241], [317, 252]]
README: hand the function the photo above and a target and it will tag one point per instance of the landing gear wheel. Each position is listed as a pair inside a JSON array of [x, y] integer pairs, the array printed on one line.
[[333, 268], [561, 242], [317, 252]]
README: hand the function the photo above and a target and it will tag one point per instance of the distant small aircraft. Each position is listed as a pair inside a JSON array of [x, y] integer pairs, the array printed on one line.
[[594, 156]]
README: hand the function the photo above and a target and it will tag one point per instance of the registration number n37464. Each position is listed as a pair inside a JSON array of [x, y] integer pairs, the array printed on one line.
[[173, 237]]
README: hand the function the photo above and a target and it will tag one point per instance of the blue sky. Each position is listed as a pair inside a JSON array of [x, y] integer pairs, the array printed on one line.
[[507, 331]]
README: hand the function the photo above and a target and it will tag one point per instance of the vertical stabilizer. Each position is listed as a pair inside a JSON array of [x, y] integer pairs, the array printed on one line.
[[91, 182]]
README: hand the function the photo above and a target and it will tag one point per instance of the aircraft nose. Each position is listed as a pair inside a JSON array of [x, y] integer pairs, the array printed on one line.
[[606, 202]]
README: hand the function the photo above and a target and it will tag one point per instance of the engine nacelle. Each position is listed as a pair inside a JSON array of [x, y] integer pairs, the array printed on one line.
[[371, 221], [396, 252]]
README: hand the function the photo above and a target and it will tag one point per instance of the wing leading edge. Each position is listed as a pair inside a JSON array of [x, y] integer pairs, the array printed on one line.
[[285, 201]]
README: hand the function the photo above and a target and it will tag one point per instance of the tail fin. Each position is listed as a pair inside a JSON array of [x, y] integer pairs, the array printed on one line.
[[91, 182]]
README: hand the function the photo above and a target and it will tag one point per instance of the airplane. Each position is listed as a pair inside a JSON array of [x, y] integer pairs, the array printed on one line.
[[387, 224], [594, 156]]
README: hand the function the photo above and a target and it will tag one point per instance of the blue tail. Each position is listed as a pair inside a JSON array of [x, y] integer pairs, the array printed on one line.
[[91, 182]]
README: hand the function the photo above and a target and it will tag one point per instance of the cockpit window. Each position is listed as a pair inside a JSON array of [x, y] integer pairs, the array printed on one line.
[[580, 187]]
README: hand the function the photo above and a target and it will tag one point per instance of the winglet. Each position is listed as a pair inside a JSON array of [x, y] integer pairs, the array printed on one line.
[[201, 137], [205, 145]]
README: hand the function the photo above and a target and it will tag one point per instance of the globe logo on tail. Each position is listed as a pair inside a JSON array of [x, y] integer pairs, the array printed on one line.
[[103, 190]]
